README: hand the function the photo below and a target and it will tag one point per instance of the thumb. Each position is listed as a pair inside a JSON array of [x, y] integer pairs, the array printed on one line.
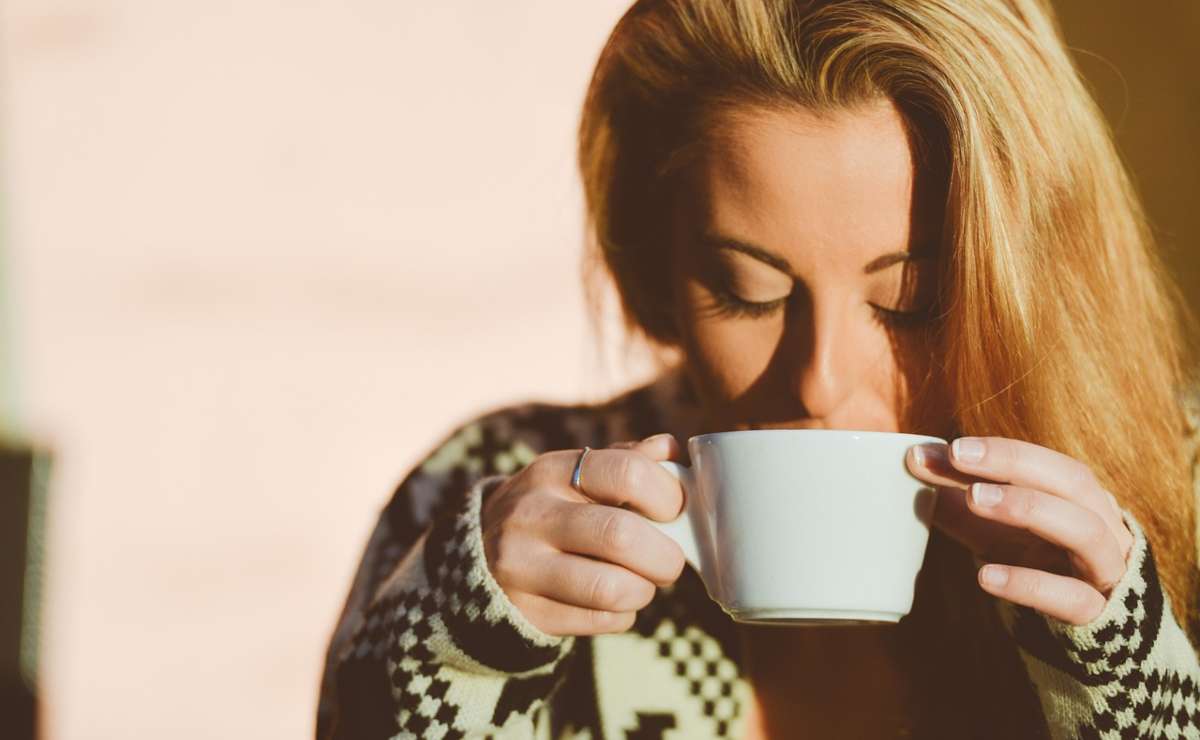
[[660, 447]]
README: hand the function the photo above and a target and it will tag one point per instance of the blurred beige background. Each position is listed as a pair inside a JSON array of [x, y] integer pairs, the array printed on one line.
[[263, 254], [260, 255]]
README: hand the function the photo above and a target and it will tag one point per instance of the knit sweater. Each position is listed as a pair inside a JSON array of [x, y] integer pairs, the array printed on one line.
[[429, 646]]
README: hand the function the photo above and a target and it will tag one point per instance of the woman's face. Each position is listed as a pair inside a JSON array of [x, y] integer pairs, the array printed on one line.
[[806, 275]]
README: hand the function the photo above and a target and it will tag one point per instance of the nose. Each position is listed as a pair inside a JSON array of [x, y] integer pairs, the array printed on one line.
[[828, 364]]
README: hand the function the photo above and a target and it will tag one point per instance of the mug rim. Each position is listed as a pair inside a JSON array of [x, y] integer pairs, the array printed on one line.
[[820, 432]]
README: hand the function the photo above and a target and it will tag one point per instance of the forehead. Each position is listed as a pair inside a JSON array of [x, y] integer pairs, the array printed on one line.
[[802, 184]]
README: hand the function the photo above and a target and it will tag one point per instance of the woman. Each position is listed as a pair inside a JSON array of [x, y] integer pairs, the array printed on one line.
[[898, 215]]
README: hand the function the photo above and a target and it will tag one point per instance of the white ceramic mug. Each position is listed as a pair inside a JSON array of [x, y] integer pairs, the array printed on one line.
[[804, 526]]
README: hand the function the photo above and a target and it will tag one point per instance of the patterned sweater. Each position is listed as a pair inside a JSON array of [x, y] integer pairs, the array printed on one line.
[[429, 646]]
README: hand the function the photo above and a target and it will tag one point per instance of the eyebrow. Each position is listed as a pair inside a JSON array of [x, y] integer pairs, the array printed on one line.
[[924, 251]]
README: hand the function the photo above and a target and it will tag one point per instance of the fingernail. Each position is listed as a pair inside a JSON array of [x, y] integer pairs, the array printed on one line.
[[924, 454], [656, 436], [994, 575], [967, 449], [986, 494]]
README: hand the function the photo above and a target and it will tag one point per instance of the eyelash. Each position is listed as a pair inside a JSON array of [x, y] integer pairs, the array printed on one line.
[[731, 306]]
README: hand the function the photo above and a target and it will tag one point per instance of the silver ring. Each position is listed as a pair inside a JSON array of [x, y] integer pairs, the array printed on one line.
[[577, 474]]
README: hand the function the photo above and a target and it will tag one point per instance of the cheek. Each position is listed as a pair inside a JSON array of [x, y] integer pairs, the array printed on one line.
[[730, 354], [732, 357]]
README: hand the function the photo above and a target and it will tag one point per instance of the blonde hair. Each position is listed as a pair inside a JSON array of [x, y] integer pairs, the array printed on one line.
[[1059, 323]]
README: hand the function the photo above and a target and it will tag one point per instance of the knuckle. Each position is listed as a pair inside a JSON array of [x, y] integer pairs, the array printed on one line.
[[607, 621], [503, 556], [536, 469], [548, 465], [1095, 532], [616, 532], [644, 593], [630, 473], [998, 452], [524, 512], [1030, 588], [1074, 599], [1025, 506], [1082, 478], [599, 621], [603, 591], [663, 559]]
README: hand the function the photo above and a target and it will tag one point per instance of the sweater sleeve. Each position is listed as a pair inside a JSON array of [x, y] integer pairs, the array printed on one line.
[[429, 645], [1130, 673]]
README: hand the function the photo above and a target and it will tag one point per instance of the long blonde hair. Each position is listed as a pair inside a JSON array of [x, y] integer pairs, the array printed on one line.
[[1060, 325]]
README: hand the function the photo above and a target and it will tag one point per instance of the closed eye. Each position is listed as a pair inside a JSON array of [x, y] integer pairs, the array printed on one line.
[[902, 319], [730, 305]]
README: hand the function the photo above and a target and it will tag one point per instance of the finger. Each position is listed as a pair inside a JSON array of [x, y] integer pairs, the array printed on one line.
[[993, 541], [586, 583], [660, 447], [953, 516], [1083, 533], [554, 618], [1066, 599], [1029, 466], [625, 478], [931, 464], [656, 447], [935, 463], [617, 536]]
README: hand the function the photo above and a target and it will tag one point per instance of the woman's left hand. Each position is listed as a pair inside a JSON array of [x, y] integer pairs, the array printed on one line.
[[1053, 538]]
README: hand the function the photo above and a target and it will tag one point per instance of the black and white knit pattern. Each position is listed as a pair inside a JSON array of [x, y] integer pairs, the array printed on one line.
[[711, 677], [1130, 694], [442, 617], [428, 644]]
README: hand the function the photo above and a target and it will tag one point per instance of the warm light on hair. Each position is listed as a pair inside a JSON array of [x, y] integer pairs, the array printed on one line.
[[1059, 325]]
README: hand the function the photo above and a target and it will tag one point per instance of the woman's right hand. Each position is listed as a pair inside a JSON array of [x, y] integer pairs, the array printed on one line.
[[582, 564]]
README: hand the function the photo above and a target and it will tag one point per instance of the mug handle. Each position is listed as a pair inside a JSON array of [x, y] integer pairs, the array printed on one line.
[[680, 529]]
